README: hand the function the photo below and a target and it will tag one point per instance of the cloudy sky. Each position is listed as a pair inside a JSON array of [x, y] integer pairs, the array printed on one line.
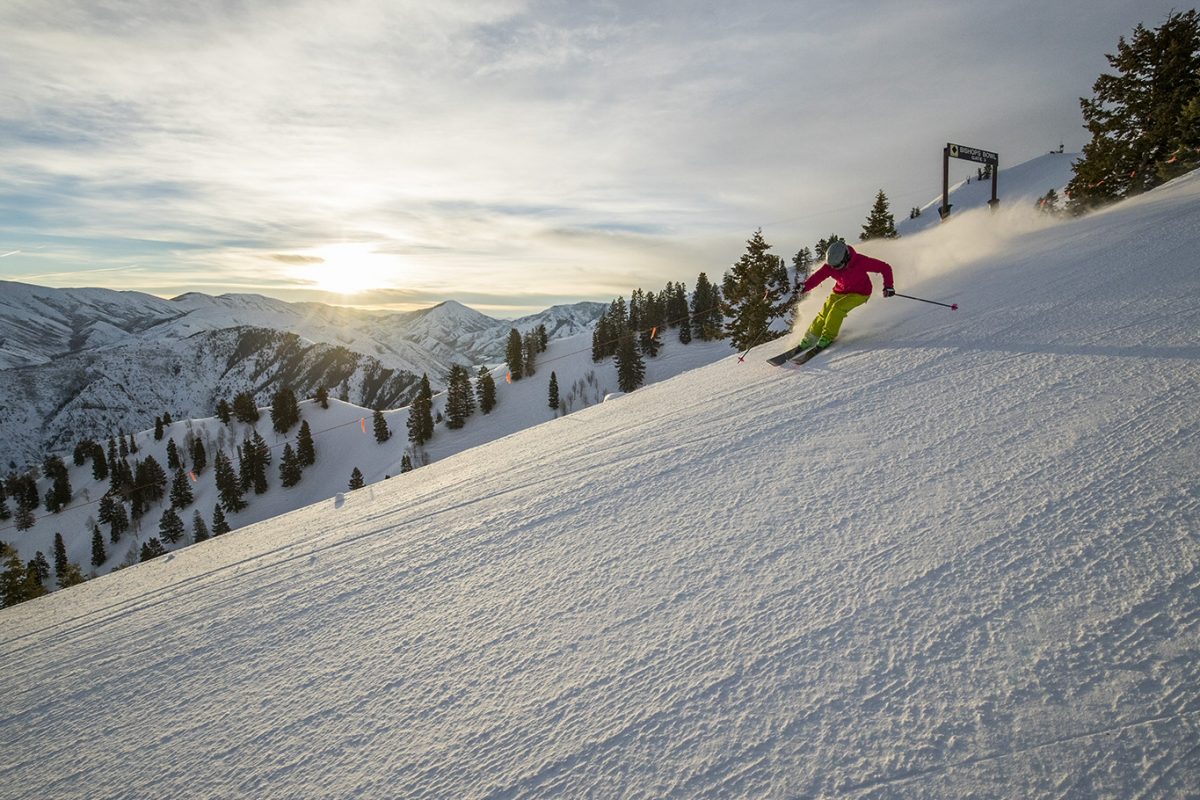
[[509, 154]]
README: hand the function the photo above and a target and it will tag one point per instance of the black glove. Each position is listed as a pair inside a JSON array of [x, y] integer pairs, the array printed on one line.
[[888, 291]]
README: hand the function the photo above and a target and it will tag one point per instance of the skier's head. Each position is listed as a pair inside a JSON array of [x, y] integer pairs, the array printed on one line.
[[838, 254]]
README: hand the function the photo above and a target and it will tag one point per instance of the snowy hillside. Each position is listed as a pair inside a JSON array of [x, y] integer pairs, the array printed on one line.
[[78, 363], [955, 556], [1017, 186]]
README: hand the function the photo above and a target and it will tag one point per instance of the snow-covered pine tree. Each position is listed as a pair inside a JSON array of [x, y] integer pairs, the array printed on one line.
[[880, 223]]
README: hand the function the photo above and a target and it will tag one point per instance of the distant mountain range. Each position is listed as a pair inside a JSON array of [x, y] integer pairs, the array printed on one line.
[[87, 362]]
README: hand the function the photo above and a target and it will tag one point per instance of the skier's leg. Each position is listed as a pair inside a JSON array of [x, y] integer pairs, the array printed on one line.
[[818, 323], [839, 307]]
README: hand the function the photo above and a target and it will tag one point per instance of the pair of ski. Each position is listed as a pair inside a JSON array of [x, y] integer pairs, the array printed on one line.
[[795, 356]]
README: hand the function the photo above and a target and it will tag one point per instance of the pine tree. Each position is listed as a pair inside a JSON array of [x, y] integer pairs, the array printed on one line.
[[1145, 119], [39, 567], [119, 523], [514, 354], [181, 490], [420, 414], [244, 408], [152, 549], [220, 525], [554, 403], [24, 517], [58, 496], [261, 460], [406, 464], [306, 451], [71, 575], [382, 431], [631, 370], [290, 470], [229, 488], [173, 461], [755, 290], [99, 555], [199, 456], [356, 480], [158, 429], [880, 223], [529, 366], [18, 582], [224, 411], [485, 390], [1048, 203], [460, 400], [285, 411], [133, 448], [323, 397], [707, 316], [170, 526], [60, 554], [199, 529], [99, 463]]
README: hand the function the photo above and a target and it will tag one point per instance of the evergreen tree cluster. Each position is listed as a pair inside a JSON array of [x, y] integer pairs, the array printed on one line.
[[1144, 119]]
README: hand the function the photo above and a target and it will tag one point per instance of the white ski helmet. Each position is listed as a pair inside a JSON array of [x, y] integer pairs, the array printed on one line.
[[838, 254]]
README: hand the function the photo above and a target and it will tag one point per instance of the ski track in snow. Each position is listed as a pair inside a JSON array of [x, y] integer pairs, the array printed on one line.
[[956, 556]]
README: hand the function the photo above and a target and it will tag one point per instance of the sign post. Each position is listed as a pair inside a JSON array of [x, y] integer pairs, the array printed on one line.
[[967, 154]]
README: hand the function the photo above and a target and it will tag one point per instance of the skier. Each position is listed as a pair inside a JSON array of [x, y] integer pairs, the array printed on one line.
[[851, 289]]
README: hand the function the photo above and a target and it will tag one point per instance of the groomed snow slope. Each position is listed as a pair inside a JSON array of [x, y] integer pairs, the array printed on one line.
[[957, 555]]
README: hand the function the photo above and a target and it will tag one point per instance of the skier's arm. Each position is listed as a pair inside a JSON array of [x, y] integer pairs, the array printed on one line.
[[816, 278]]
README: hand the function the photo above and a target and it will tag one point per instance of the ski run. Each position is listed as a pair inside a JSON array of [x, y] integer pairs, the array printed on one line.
[[958, 555]]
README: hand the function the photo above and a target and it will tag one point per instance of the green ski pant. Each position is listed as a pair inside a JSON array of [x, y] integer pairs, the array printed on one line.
[[829, 320]]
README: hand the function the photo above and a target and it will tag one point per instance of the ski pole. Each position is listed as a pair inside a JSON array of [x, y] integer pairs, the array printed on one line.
[[951, 306]]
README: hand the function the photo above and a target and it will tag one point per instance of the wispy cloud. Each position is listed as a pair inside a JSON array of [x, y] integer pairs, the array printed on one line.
[[544, 147]]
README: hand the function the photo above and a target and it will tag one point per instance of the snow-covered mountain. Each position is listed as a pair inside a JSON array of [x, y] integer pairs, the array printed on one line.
[[89, 362], [954, 556]]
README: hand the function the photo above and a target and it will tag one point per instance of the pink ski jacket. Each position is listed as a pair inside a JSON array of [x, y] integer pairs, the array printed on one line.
[[853, 278]]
